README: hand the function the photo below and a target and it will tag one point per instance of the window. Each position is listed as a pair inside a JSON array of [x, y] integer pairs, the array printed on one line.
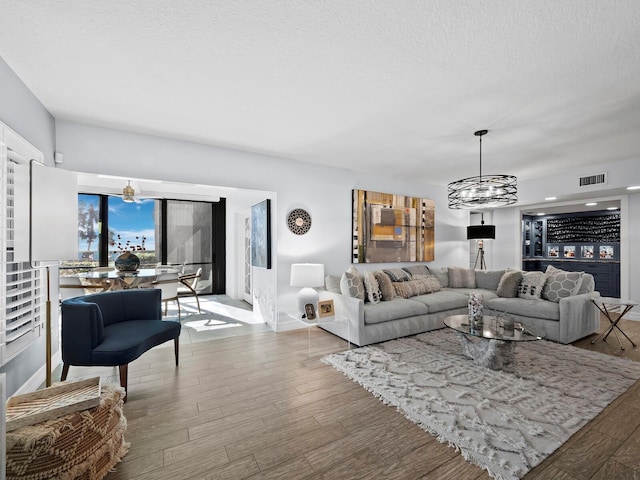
[[188, 234]]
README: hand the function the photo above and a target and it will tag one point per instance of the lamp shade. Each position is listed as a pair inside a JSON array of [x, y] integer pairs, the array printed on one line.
[[307, 275], [481, 232]]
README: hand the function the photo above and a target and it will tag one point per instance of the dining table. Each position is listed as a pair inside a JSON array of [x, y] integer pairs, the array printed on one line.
[[117, 280]]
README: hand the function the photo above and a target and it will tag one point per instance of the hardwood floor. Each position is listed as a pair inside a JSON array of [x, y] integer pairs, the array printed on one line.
[[258, 407]]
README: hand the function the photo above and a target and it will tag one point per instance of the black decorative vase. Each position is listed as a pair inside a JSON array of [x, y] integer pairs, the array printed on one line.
[[127, 262]]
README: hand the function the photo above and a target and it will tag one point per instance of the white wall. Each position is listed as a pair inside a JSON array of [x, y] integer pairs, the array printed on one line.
[[21, 110], [324, 192]]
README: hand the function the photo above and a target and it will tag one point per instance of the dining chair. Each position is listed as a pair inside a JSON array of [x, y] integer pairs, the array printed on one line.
[[168, 283], [188, 285], [71, 287]]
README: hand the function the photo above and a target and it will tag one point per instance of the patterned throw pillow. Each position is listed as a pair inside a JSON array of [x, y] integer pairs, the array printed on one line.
[[509, 283], [397, 274], [417, 272], [352, 284], [560, 284], [374, 295], [386, 287], [531, 285], [462, 277], [417, 287]]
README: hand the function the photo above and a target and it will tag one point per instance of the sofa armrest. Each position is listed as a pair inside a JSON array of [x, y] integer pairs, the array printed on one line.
[[352, 309], [579, 317]]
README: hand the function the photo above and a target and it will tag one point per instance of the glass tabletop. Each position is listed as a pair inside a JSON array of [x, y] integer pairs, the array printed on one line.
[[492, 328]]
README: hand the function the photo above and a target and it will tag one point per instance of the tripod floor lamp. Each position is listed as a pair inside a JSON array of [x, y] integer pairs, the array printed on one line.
[[481, 232]]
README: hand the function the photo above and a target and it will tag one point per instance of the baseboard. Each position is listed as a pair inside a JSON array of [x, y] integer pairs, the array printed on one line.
[[633, 316], [40, 376]]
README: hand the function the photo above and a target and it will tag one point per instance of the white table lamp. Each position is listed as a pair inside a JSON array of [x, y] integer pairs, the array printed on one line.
[[307, 275]]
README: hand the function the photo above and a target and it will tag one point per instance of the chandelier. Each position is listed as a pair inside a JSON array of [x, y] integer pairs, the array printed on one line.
[[483, 191]]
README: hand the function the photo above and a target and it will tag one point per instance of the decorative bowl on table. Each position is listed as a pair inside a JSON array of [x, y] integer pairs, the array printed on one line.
[[127, 262]]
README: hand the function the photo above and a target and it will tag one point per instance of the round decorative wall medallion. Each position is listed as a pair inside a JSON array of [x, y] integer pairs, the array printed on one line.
[[299, 221]]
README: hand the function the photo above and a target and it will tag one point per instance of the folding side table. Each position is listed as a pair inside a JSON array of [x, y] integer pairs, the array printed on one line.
[[610, 306]]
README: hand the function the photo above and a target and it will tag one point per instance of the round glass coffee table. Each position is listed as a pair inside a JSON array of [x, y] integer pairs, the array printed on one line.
[[496, 345]]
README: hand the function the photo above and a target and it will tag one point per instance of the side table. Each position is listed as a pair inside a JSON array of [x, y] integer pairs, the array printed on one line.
[[321, 321], [609, 306]]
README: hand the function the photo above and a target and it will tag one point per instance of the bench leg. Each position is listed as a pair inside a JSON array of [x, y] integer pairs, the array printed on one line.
[[176, 348], [124, 369]]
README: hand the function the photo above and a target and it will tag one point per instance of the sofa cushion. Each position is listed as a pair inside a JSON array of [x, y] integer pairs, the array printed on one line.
[[488, 279], [442, 274], [374, 295], [560, 284], [332, 283], [531, 285], [417, 287], [486, 294], [386, 287], [442, 300], [588, 284], [393, 310], [462, 277], [417, 271], [526, 307], [352, 284], [509, 284], [397, 274], [123, 342]]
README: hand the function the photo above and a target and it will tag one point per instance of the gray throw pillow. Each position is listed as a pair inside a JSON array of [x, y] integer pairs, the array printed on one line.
[[462, 277], [531, 285], [509, 283], [488, 279], [386, 287], [332, 283]]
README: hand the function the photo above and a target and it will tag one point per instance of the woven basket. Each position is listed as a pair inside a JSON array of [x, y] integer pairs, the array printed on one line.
[[83, 445]]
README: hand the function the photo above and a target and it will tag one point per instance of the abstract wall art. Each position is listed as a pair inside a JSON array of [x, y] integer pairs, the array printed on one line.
[[392, 228]]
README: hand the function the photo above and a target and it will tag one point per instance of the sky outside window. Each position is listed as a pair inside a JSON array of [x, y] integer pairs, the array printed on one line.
[[132, 221]]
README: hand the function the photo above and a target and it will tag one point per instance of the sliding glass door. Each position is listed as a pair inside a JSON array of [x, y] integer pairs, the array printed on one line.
[[191, 238]]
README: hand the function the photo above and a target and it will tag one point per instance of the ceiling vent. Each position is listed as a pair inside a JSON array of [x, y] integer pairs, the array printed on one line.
[[597, 179]]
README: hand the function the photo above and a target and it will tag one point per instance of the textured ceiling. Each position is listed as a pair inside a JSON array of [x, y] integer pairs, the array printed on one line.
[[382, 85]]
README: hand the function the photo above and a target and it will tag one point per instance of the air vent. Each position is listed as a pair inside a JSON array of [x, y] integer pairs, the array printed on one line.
[[597, 179]]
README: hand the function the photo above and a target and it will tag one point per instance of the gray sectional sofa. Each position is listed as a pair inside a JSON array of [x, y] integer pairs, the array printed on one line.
[[566, 316]]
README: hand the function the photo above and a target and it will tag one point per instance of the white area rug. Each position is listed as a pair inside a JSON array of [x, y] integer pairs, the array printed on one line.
[[503, 422]]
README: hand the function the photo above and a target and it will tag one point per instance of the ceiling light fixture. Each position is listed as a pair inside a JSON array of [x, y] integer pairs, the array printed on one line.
[[591, 204], [634, 187], [483, 192], [128, 193], [551, 198]]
